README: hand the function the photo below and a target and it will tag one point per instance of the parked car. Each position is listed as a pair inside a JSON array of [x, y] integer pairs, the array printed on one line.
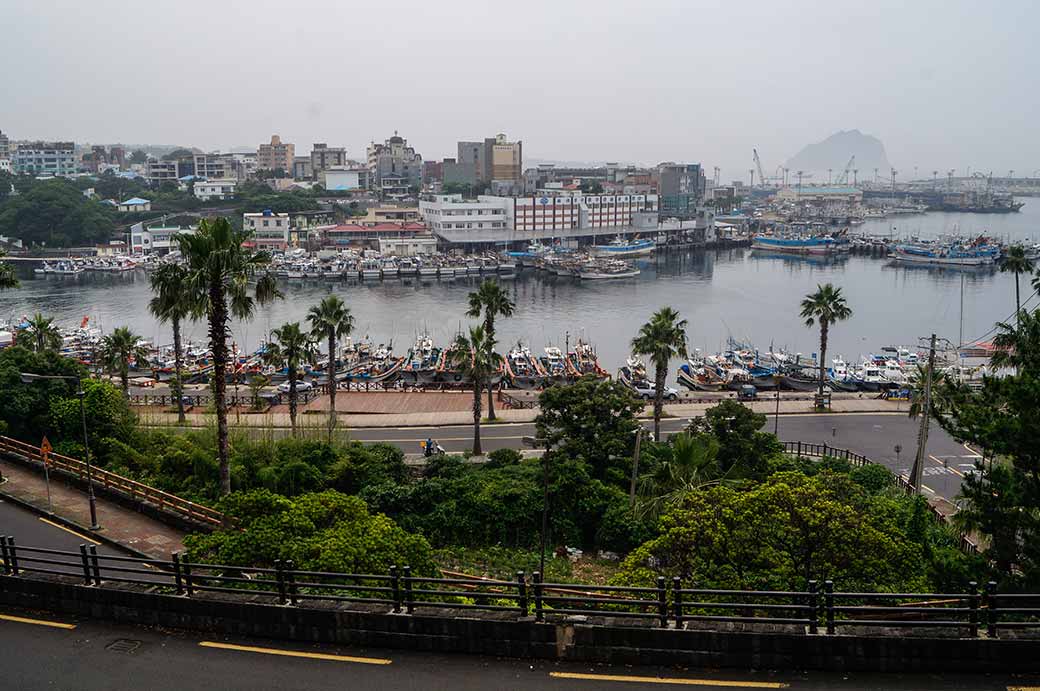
[[646, 391], [301, 386]]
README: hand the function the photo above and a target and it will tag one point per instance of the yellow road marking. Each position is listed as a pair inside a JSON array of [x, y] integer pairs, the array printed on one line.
[[672, 680], [1023, 688], [68, 530], [296, 653], [38, 622]]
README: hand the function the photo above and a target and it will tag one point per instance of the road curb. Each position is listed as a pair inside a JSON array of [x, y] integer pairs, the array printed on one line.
[[72, 525]]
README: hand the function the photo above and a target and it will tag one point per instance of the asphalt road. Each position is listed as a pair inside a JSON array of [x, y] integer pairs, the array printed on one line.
[[30, 530], [93, 655], [873, 435]]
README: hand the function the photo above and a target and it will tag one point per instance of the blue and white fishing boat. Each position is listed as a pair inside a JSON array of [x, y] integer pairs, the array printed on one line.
[[619, 247], [946, 255], [798, 244]]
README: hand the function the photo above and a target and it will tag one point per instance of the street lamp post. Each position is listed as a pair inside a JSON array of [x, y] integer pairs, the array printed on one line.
[[29, 378]]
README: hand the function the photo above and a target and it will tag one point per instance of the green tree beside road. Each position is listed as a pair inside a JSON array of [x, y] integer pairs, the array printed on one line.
[[493, 301], [40, 334], [171, 303], [119, 350], [824, 307], [291, 348], [661, 339]]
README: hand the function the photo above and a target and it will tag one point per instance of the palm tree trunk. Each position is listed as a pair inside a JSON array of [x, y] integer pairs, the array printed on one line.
[[332, 384], [292, 399], [218, 344], [489, 328], [823, 353], [177, 382], [124, 377], [1018, 303], [659, 377], [477, 391]]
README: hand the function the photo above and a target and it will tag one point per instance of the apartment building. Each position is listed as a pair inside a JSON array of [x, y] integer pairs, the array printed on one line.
[[45, 158], [324, 157], [394, 166], [276, 155], [495, 158], [5, 147], [682, 187], [213, 166], [158, 172], [269, 230]]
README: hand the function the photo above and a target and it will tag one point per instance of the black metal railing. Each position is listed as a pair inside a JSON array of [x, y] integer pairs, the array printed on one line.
[[803, 448], [817, 610]]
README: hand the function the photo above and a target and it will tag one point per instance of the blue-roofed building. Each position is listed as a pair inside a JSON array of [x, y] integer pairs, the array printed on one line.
[[135, 204]]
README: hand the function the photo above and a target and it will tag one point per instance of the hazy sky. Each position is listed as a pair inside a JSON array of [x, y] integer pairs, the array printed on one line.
[[944, 84]]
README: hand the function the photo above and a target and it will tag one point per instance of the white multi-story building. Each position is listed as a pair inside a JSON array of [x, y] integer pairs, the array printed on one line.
[[449, 215], [213, 166], [341, 178], [157, 239], [270, 230], [44, 158], [215, 189]]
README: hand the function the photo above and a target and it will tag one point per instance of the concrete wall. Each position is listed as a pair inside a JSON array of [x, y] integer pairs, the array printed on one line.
[[508, 636]]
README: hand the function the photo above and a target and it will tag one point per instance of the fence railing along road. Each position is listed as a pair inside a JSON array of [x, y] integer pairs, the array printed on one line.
[[666, 604]]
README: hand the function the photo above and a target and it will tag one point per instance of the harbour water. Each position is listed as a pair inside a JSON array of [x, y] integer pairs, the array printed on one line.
[[751, 296]]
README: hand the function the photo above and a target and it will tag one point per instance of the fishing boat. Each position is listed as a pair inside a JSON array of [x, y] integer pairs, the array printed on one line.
[[605, 269], [371, 269], [523, 369], [621, 248], [695, 376], [382, 367], [632, 372], [840, 377], [974, 254], [421, 364], [583, 361], [555, 366], [796, 244]]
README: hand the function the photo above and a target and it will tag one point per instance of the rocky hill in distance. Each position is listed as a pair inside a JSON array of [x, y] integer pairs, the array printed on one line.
[[834, 152]]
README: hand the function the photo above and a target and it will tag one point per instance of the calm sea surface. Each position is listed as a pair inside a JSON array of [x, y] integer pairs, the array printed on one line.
[[739, 293]]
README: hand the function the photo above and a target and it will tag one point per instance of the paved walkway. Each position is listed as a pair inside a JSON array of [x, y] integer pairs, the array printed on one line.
[[118, 523], [378, 418]]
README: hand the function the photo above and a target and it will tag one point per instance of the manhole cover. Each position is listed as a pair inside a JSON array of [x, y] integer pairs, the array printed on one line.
[[123, 645]]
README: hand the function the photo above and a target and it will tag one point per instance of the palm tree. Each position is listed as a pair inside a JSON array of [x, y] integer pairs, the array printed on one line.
[[692, 466], [1017, 263], [219, 271], [331, 319], [493, 301], [291, 348], [473, 356], [1018, 346], [171, 303], [8, 278], [40, 334], [118, 349], [826, 306], [661, 339]]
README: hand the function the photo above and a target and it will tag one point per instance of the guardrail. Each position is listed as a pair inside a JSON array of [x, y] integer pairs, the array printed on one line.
[[665, 604], [137, 491]]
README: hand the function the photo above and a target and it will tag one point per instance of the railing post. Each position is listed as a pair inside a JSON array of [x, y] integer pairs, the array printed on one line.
[[828, 587], [395, 588], [409, 601], [86, 564], [3, 554], [824, 455], [991, 609], [521, 593], [973, 608], [799, 454], [177, 577], [188, 586], [96, 565], [538, 614], [662, 603], [814, 606], [677, 601], [291, 573], [279, 576], [12, 554]]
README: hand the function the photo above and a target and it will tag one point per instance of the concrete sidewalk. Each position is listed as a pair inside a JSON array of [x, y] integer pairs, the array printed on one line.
[[120, 525], [318, 419]]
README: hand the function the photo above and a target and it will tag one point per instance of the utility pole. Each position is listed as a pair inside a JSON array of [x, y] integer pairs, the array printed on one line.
[[926, 410]]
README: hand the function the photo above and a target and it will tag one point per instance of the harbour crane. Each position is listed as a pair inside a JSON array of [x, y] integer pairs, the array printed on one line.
[[844, 179], [758, 165]]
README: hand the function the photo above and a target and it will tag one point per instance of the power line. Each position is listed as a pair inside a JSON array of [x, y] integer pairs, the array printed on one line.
[[1003, 321]]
